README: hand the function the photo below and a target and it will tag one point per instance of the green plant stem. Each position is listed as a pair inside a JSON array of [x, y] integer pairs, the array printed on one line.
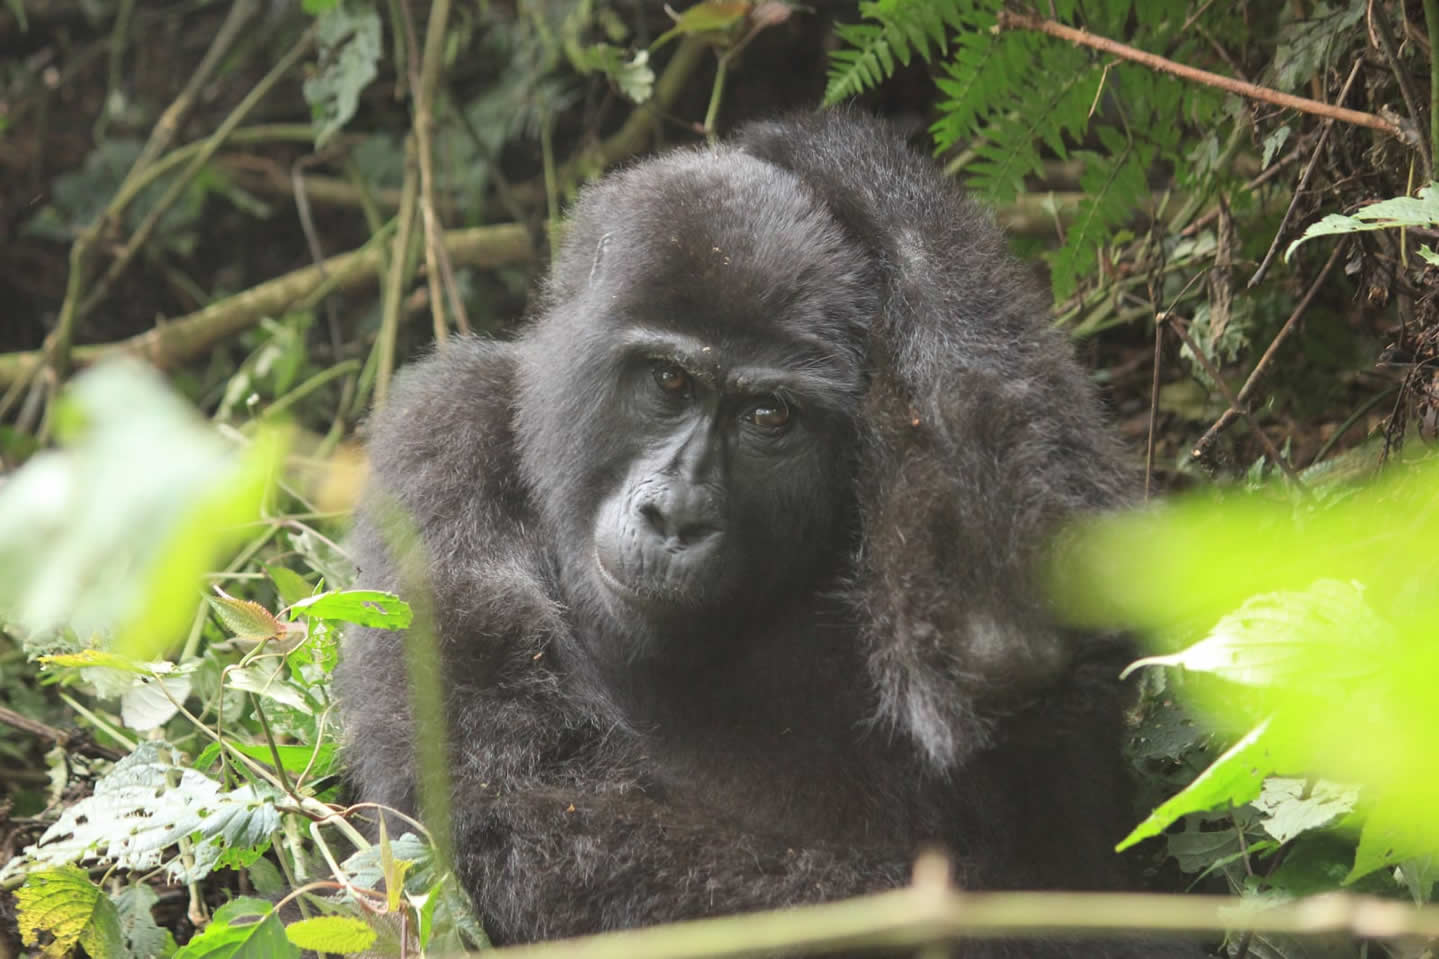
[[283, 404], [104, 725], [716, 97], [280, 770], [397, 278]]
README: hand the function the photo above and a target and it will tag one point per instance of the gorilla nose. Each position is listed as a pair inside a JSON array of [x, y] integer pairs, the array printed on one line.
[[678, 524]]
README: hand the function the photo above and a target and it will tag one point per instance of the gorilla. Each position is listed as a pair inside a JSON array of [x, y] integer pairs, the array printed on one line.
[[731, 556]]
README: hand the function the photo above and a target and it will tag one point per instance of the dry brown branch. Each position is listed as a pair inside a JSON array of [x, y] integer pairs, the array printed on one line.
[[1247, 390], [1022, 21], [1233, 401], [1303, 182]]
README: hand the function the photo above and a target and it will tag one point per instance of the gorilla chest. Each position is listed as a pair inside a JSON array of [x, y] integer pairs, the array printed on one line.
[[767, 750]]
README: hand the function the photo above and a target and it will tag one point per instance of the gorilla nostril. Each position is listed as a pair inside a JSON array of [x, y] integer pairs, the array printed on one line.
[[654, 518]]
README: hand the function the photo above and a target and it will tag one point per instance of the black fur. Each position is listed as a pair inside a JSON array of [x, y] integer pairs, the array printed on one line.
[[856, 663]]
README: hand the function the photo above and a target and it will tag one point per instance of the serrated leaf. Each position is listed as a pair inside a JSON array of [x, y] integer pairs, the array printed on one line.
[[366, 868], [143, 937], [1234, 778], [363, 607], [342, 934], [350, 51], [1391, 835], [245, 619], [143, 807], [243, 928], [64, 904], [1399, 211], [1294, 806], [1272, 639]]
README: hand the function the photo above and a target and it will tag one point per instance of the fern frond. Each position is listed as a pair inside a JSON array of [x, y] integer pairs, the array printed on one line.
[[898, 30]]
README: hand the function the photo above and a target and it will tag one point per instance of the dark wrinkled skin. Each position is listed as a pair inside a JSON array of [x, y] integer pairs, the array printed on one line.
[[731, 556]]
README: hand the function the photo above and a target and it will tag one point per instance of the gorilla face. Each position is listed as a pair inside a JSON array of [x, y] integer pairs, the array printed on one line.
[[686, 413], [712, 502]]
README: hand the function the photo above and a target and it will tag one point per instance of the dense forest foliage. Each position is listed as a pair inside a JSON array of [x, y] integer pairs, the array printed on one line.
[[224, 224]]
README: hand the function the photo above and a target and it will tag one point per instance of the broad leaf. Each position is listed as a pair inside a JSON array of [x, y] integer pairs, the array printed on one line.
[[71, 909]]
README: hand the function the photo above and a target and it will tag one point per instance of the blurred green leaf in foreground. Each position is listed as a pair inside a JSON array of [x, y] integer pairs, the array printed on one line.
[[1315, 626], [111, 533]]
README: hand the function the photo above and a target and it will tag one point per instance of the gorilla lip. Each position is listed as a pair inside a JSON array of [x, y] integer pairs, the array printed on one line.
[[627, 593]]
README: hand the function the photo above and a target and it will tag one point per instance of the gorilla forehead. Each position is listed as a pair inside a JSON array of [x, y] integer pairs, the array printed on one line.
[[728, 246]]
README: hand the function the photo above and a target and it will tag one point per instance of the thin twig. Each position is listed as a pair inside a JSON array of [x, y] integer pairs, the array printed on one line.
[[1303, 182], [397, 278], [1209, 368], [1406, 89], [1290, 324], [1153, 409], [182, 181], [1431, 20], [424, 78], [1007, 20], [163, 133], [1270, 173]]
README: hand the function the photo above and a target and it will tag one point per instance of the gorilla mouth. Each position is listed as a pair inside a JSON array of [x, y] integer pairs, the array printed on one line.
[[645, 598]]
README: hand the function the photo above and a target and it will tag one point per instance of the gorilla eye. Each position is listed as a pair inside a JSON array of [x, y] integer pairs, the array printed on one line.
[[769, 412], [671, 378]]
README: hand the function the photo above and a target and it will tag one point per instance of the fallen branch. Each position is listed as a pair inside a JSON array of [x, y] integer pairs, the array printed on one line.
[[176, 341], [919, 916]]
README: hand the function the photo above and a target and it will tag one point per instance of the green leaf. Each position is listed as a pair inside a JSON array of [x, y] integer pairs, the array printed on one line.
[[268, 679], [708, 16], [243, 928], [1333, 638], [67, 906], [245, 619], [93, 537], [1391, 835], [143, 807], [1274, 638], [152, 702], [1234, 778], [1401, 211], [291, 586], [363, 607], [632, 74], [342, 934], [1295, 806], [143, 936], [350, 51], [296, 759]]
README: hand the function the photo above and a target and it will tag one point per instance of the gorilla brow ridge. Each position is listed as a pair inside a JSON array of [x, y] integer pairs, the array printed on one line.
[[807, 382]]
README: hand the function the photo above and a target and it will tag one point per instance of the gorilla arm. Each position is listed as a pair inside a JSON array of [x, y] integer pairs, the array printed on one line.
[[981, 435]]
